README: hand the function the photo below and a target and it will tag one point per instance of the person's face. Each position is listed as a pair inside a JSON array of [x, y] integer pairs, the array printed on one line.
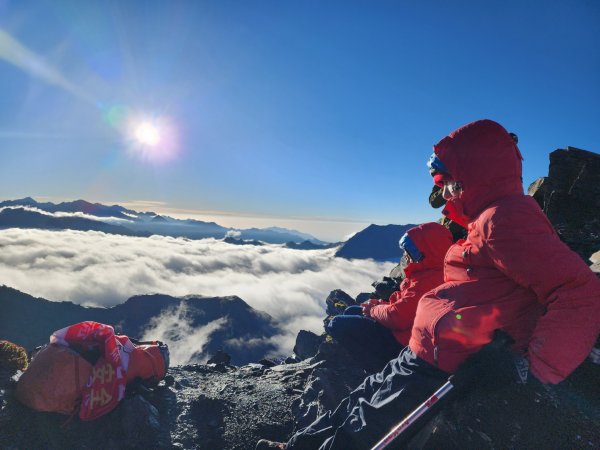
[[451, 190], [405, 260]]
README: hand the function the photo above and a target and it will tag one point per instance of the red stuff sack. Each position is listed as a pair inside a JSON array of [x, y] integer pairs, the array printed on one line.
[[54, 380]]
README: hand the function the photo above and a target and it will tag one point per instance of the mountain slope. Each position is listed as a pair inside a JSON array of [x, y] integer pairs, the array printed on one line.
[[245, 333], [379, 242]]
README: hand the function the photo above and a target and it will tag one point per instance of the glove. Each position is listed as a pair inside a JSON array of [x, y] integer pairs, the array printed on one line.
[[386, 287], [495, 365], [366, 306]]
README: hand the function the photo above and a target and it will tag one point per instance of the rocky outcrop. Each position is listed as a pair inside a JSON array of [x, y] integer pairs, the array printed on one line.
[[217, 406], [207, 407], [307, 344], [337, 301], [234, 241], [570, 197]]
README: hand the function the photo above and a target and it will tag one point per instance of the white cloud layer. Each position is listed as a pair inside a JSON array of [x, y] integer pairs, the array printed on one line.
[[71, 214], [233, 233], [94, 268], [175, 327]]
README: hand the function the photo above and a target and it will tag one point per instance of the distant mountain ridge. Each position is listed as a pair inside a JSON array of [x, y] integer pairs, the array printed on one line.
[[245, 335], [16, 217], [120, 220], [379, 242]]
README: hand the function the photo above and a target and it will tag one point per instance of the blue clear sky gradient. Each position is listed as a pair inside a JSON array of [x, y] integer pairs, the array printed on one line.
[[322, 113]]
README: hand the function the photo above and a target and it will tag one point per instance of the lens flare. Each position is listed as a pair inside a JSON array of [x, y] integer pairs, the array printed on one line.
[[150, 137]]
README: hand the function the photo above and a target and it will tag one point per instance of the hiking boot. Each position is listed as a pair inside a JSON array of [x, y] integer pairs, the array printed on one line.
[[265, 444]]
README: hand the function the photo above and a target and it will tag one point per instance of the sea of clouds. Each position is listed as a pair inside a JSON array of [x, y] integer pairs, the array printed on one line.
[[94, 268], [81, 215]]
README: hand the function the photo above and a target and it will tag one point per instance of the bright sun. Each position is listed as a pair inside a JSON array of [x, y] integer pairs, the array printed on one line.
[[147, 134], [150, 137]]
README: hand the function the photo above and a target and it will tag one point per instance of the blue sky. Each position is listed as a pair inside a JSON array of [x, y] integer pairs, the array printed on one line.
[[313, 115]]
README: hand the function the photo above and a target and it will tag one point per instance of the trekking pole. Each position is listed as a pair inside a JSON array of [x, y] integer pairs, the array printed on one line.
[[413, 416]]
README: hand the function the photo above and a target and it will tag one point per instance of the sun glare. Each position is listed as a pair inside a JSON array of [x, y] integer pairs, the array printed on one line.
[[150, 137], [147, 134]]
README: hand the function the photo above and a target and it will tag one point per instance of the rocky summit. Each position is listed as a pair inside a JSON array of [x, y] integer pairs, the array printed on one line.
[[218, 406], [570, 197]]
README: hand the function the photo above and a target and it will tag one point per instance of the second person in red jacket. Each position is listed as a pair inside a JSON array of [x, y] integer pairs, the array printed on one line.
[[377, 330], [424, 272]]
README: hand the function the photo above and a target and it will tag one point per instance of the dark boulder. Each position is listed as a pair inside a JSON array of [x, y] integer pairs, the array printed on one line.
[[267, 362], [220, 358], [337, 301], [363, 297], [307, 344], [570, 197]]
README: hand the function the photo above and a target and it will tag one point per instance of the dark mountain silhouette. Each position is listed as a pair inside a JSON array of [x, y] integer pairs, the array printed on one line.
[[379, 242], [234, 241], [308, 245], [29, 321]]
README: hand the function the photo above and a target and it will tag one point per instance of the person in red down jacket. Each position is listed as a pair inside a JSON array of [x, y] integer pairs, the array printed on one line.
[[511, 273], [377, 330]]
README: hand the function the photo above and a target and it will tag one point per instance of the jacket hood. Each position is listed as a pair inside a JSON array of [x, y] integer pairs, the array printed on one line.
[[433, 241], [486, 160]]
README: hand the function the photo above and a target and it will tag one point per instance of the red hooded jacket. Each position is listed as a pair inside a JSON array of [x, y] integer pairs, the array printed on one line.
[[510, 271], [433, 241]]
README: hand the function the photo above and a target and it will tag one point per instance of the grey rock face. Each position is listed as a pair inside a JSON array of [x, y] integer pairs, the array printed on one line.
[[206, 408], [570, 197], [307, 344]]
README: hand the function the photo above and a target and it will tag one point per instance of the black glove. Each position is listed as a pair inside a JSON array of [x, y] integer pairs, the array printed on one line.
[[494, 365], [386, 287]]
